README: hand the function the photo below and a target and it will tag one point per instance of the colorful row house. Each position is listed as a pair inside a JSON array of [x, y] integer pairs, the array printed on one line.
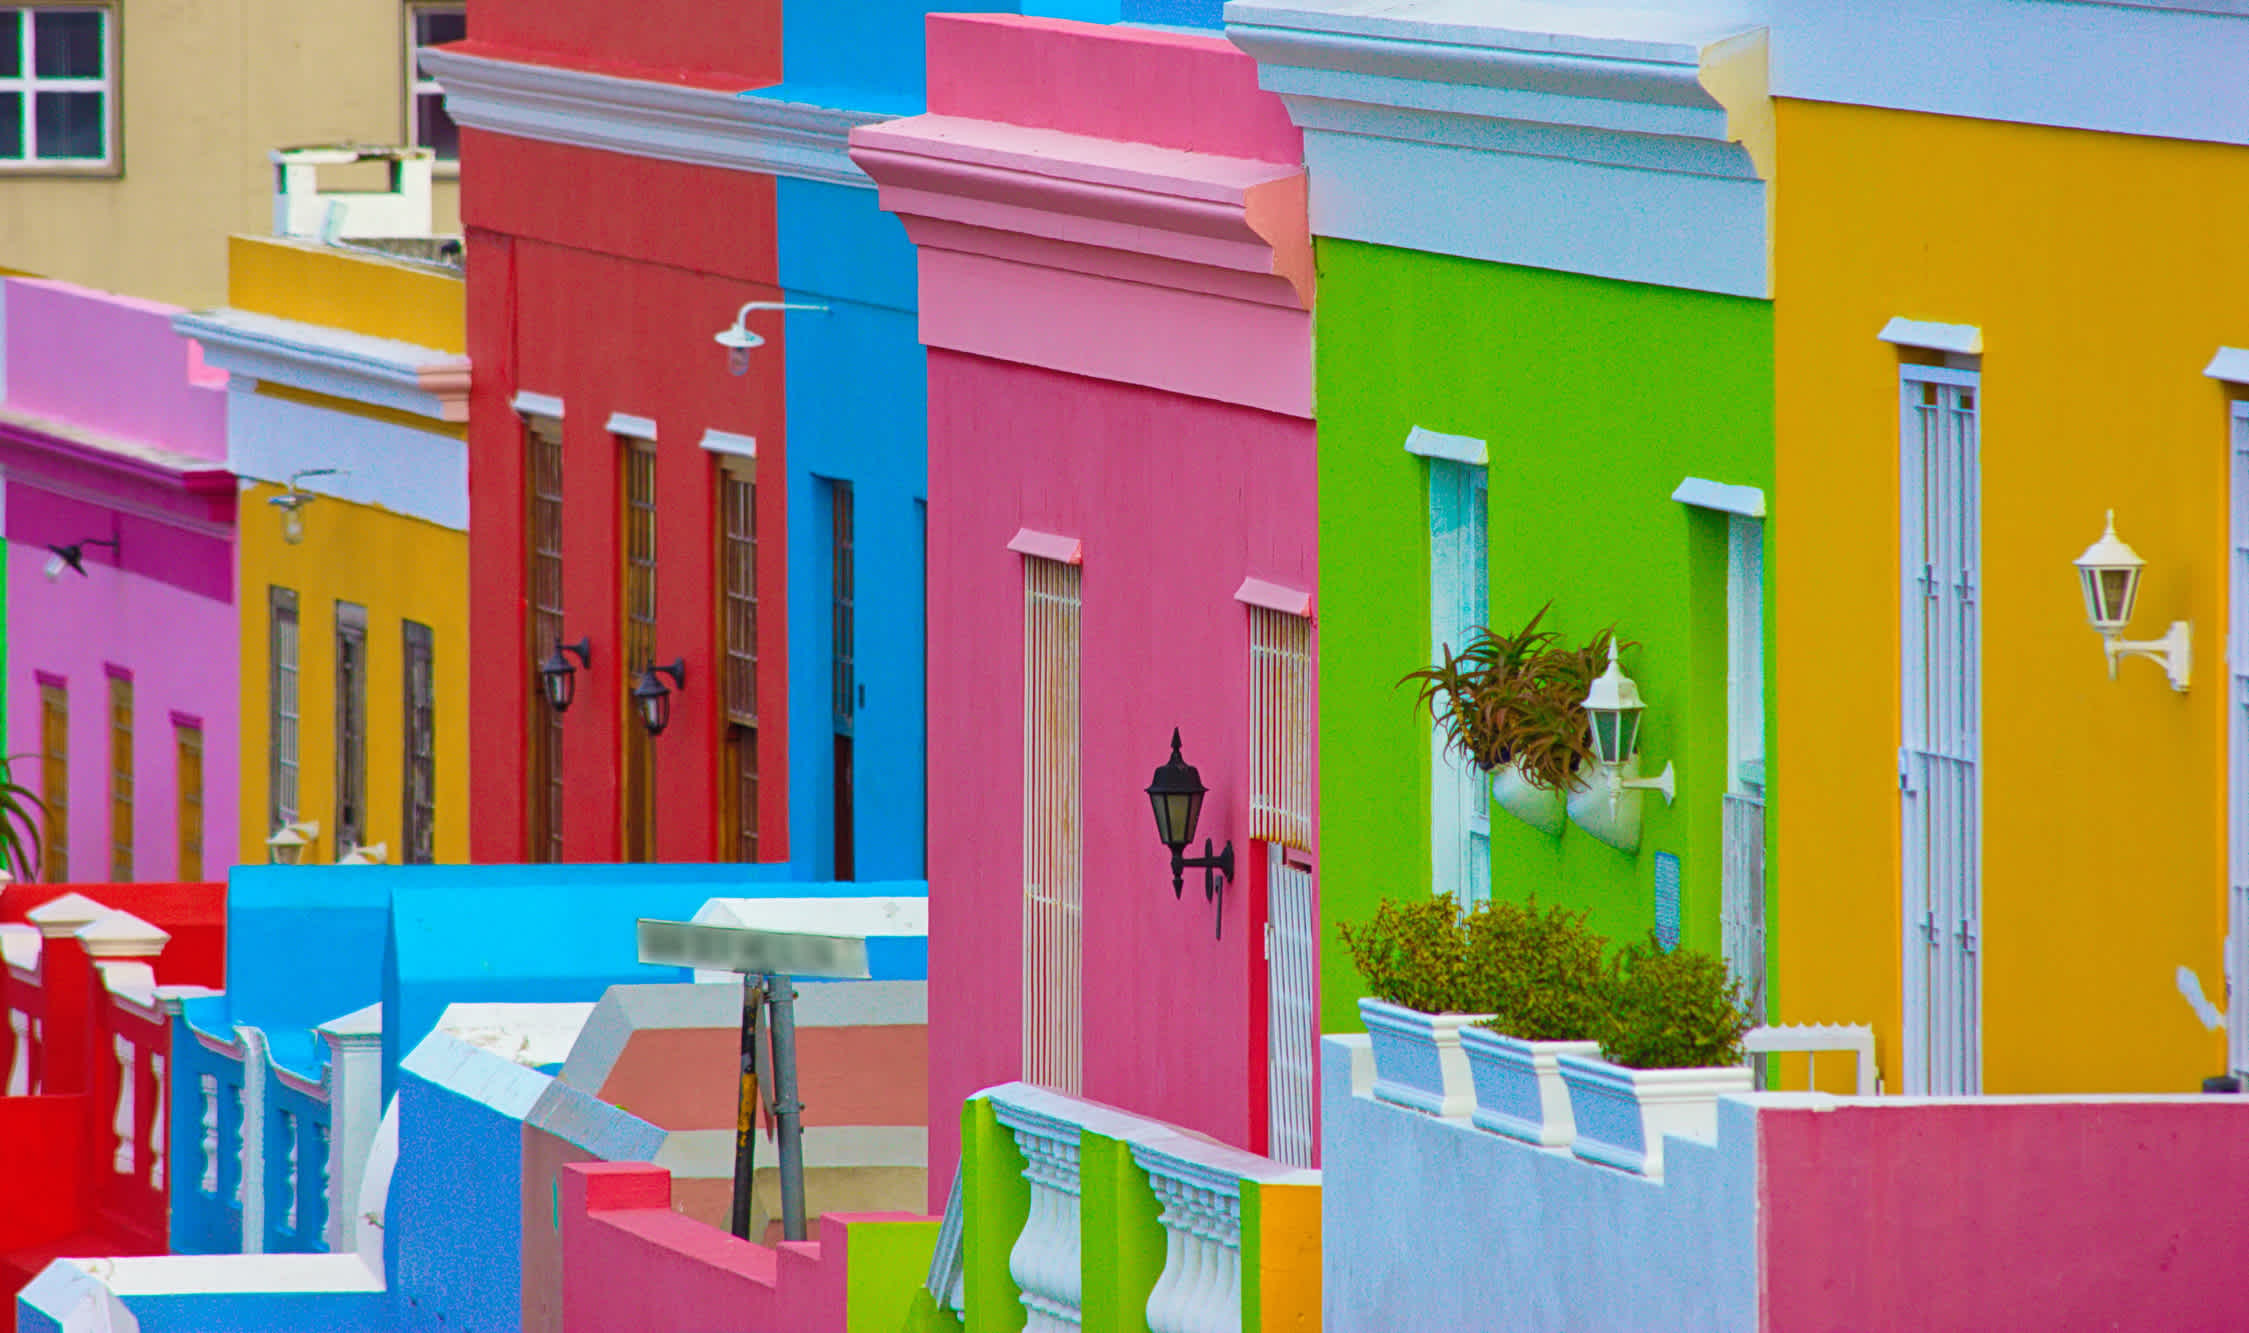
[[348, 393], [1115, 293], [699, 448], [120, 605], [2012, 849], [1544, 372]]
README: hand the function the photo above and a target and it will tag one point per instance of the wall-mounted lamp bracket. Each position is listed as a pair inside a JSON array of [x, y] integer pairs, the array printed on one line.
[[2174, 652], [1218, 871]]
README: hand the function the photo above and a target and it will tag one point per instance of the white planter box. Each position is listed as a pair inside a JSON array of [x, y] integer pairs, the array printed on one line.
[[1539, 807], [1417, 1058], [1519, 1090], [1622, 1115]]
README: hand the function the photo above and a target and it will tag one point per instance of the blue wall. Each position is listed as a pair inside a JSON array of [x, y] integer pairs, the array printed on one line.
[[453, 1222], [857, 412], [865, 56]]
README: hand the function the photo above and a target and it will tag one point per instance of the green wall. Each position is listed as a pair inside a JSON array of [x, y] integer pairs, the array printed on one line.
[[1596, 398]]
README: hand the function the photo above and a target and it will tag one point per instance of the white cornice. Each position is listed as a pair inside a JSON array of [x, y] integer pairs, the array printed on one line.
[[642, 118], [339, 364], [1628, 144]]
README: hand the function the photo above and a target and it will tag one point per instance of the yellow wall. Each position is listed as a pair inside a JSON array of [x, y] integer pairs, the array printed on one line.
[[209, 87], [398, 567], [2104, 271]]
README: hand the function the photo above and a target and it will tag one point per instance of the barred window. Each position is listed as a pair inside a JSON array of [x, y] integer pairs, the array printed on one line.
[[418, 827], [543, 773]]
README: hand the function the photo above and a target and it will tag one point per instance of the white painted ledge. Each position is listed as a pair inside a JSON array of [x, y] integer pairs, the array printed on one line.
[[1958, 339], [529, 404], [2231, 364], [632, 427], [1451, 448], [726, 442], [381, 372], [1747, 501]]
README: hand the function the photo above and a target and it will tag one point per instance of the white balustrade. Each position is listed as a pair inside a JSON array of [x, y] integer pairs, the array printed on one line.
[[122, 1122], [209, 1086], [160, 1124], [1045, 1260], [19, 1073], [289, 1180], [241, 1149], [1200, 1289]]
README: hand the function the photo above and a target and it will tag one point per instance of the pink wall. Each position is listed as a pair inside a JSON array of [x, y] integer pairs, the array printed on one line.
[[110, 364], [1176, 501], [2005, 1214]]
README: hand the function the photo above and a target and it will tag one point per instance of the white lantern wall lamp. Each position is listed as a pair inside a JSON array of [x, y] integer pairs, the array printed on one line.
[[287, 845], [738, 339], [1176, 794], [2109, 575], [292, 502], [1608, 805]]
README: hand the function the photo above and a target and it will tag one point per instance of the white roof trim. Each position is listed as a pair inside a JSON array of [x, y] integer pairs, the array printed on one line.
[[1047, 546], [726, 442], [642, 118], [527, 403], [381, 372], [1453, 448], [625, 423], [2231, 364], [1959, 339], [1747, 501]]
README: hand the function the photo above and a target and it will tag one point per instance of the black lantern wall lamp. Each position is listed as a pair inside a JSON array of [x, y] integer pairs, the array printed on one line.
[[654, 698], [1176, 795], [73, 556], [558, 679]]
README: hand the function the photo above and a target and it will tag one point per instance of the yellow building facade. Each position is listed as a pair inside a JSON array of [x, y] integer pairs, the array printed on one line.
[[192, 95], [2068, 284], [350, 384]]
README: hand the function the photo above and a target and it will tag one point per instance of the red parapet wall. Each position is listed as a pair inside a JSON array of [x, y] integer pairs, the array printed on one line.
[[194, 915], [2005, 1213]]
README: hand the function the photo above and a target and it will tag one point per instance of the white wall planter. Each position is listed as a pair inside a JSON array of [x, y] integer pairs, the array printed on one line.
[[1622, 1115], [1417, 1058], [1606, 811], [1519, 1090], [1539, 807]]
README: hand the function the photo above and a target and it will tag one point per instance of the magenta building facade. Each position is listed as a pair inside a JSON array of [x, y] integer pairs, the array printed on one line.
[[1116, 282], [113, 446]]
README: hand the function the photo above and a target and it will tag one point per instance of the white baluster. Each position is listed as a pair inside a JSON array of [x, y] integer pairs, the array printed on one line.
[[1200, 1290], [1044, 1261], [19, 1074], [241, 1151], [123, 1121], [327, 1162], [159, 1124], [289, 1180], [209, 1086]]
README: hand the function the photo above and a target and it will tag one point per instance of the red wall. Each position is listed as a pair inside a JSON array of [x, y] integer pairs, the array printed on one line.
[[733, 46], [600, 279], [194, 915], [1176, 500], [2005, 1215]]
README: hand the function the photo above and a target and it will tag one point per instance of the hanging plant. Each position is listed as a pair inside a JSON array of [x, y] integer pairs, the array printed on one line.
[[1516, 699]]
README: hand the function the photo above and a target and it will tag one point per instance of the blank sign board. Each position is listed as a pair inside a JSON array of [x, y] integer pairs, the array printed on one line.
[[742, 949]]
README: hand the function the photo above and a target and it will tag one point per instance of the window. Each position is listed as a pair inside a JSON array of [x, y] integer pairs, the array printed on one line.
[[57, 88], [843, 630], [1459, 603], [418, 824], [281, 708], [543, 773], [54, 779], [1053, 836], [427, 123], [639, 467], [120, 775], [737, 556], [1280, 687], [1742, 839], [187, 746], [351, 727]]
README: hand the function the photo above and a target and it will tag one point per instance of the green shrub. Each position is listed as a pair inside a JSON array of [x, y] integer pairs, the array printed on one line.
[[1542, 974], [1672, 1010], [1413, 953]]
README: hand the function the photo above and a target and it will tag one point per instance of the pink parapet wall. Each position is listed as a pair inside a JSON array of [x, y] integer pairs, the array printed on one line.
[[2005, 1213], [109, 364]]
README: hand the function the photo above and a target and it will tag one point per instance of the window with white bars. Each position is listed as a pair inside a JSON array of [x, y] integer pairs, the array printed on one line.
[[282, 708], [1742, 834], [351, 727], [2237, 713], [1280, 686], [542, 437], [428, 125], [1053, 838], [418, 831]]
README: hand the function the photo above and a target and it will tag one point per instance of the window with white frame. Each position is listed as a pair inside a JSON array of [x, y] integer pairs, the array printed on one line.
[[282, 711], [1459, 605], [428, 125], [1053, 836], [58, 87], [1280, 685]]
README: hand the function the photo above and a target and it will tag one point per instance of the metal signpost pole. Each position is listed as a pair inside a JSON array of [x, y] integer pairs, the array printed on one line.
[[787, 1110], [745, 1115]]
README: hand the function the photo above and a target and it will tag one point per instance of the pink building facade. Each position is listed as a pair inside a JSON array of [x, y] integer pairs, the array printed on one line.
[[1115, 282], [113, 445]]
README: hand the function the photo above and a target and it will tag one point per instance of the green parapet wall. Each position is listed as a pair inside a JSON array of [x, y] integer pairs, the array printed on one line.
[[889, 1271], [1596, 398], [1121, 1243], [995, 1203]]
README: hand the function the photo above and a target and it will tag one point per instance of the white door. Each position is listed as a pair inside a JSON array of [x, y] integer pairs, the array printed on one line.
[[2237, 822], [1940, 789], [1280, 684], [1742, 887], [1460, 813]]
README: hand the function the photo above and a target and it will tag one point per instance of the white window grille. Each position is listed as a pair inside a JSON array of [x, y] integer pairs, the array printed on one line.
[[1053, 839], [2237, 669], [1280, 651], [1280, 684], [58, 96], [427, 123], [1939, 755], [1742, 886], [282, 707], [1460, 814]]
